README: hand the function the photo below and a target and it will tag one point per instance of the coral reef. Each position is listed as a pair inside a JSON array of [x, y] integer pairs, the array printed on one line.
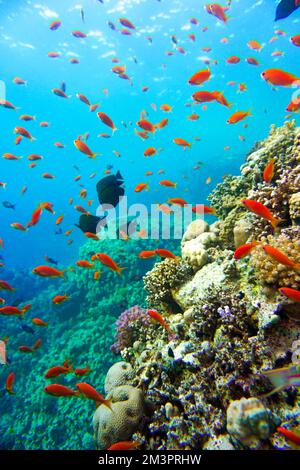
[[206, 382]]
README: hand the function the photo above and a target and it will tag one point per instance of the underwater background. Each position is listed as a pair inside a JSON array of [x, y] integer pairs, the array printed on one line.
[[160, 54]]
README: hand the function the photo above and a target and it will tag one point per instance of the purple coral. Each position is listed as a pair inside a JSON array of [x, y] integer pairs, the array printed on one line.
[[225, 313], [128, 322]]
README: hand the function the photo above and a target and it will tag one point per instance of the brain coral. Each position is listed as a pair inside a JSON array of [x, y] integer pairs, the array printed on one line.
[[127, 405], [120, 373], [269, 271]]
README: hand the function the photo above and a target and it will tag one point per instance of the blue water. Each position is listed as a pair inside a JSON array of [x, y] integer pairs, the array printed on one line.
[[25, 40]]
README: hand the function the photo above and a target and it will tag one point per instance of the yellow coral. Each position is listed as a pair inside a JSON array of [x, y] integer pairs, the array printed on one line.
[[268, 270]]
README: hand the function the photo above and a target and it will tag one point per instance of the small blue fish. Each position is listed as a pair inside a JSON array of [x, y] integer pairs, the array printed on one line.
[[27, 329], [8, 205]]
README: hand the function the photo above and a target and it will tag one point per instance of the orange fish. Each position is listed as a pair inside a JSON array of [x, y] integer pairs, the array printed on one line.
[[168, 184], [84, 264], [124, 445], [233, 60], [149, 152], [261, 210], [107, 261], [165, 253], [10, 156], [19, 81], [39, 322], [25, 349], [9, 383], [157, 317], [58, 299], [18, 226], [281, 257], [252, 61], [35, 217], [165, 209], [140, 187], [58, 390], [295, 40], [89, 392], [269, 171], [162, 123], [238, 116], [254, 45], [83, 148], [292, 294], [48, 206], [147, 254], [91, 235], [106, 120], [59, 220], [217, 10], [37, 344], [290, 435], [80, 372], [166, 108], [146, 125], [200, 77], [97, 275], [245, 250], [48, 271], [181, 142], [23, 132], [279, 77], [177, 201], [56, 371], [48, 176], [10, 310], [6, 286], [202, 209]]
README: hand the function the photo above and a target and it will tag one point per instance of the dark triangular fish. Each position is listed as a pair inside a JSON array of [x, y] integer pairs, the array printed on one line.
[[110, 189], [88, 223], [285, 8]]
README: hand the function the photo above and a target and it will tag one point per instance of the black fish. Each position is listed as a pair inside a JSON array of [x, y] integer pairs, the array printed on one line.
[[27, 328], [82, 15], [111, 25], [50, 260], [8, 205], [285, 8], [88, 223], [110, 189], [63, 87]]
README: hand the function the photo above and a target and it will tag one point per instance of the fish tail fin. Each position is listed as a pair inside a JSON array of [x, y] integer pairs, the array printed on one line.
[[249, 112], [275, 390], [32, 139], [119, 270], [276, 222], [94, 155], [4, 185], [108, 403]]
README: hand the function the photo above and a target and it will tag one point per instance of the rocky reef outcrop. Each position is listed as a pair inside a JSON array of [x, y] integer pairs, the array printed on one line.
[[206, 381]]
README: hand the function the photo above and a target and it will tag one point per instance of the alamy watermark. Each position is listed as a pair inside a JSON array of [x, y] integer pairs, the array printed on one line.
[[168, 222]]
